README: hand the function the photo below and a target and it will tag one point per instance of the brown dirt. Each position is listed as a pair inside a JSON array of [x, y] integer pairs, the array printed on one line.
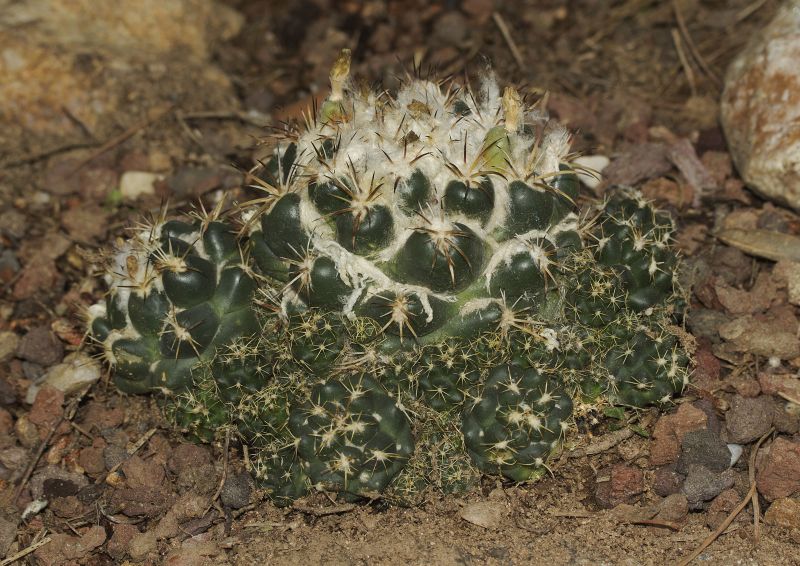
[[614, 76]]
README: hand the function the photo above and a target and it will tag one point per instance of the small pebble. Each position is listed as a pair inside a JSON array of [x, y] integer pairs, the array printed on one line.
[[134, 184], [486, 514], [705, 448], [77, 372], [703, 485], [236, 490], [596, 164], [736, 453], [40, 346]]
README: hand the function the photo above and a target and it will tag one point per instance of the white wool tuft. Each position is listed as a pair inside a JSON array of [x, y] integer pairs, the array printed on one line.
[[383, 140]]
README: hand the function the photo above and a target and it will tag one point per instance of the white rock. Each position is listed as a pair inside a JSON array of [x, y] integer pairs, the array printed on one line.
[[76, 372], [34, 508], [736, 452], [133, 184], [596, 164], [486, 514], [45, 92], [761, 109]]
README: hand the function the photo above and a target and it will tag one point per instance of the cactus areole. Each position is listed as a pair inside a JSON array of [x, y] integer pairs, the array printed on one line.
[[415, 300]]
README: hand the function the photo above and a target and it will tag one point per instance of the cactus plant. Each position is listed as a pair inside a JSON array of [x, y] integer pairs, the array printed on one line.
[[177, 290], [417, 298]]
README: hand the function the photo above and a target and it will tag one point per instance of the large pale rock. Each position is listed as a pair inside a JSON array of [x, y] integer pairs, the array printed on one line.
[[70, 65], [761, 109], [137, 28], [77, 372]]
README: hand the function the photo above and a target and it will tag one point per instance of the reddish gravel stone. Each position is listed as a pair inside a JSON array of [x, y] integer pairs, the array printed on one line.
[[159, 449], [91, 460], [187, 456], [63, 548], [481, 10], [772, 334], [85, 222], [41, 346], [102, 417], [718, 164], [140, 473], [47, 409], [774, 383], [780, 475], [722, 505], [667, 481], [673, 508], [40, 272], [625, 484], [748, 419], [117, 545], [6, 422], [784, 513], [707, 370], [745, 385], [669, 432], [68, 507], [784, 418]]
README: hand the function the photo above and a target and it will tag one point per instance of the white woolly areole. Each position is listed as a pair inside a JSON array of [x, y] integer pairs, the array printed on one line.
[[383, 140]]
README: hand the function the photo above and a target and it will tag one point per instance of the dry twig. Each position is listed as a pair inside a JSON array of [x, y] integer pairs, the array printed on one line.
[[687, 68], [124, 136], [789, 398], [133, 450], [701, 62], [224, 470], [227, 115], [25, 551], [589, 515], [656, 523], [574, 514], [42, 155], [512, 46], [323, 511], [748, 11]]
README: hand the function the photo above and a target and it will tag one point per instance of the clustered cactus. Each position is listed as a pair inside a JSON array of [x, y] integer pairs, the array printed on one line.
[[415, 300]]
